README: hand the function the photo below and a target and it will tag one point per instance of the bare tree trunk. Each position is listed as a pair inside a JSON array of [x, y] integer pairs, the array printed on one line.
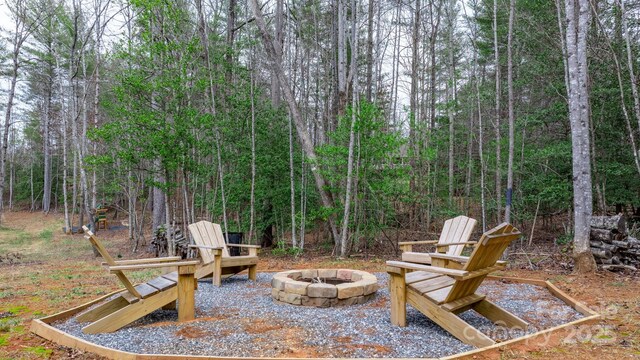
[[33, 200], [231, 24], [395, 75], [65, 161], [451, 93], [303, 135], [276, 94], [369, 61], [344, 248], [7, 117], [497, 123], [253, 166], [435, 24], [507, 208], [159, 208], [303, 201], [342, 57], [292, 181], [46, 132], [81, 148], [415, 78], [578, 17], [12, 167]]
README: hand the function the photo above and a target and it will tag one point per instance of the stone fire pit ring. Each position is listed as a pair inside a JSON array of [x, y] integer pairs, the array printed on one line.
[[323, 287]]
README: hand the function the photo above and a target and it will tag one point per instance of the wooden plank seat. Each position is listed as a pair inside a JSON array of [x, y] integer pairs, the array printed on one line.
[[209, 240], [442, 292], [137, 301], [454, 237]]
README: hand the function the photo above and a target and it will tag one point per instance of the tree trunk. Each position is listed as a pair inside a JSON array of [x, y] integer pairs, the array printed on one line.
[[344, 248], [369, 62], [497, 114], [435, 24], [7, 116], [509, 195], [252, 210], [292, 182], [451, 92], [159, 208], [342, 57], [578, 17], [276, 94]]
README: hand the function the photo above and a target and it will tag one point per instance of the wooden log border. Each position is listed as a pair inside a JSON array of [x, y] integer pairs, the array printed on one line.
[[43, 328]]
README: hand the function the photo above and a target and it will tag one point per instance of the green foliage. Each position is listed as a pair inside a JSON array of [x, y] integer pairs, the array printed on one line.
[[281, 249], [40, 351], [379, 176]]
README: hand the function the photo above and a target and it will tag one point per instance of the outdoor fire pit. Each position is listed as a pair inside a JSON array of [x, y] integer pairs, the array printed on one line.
[[323, 287]]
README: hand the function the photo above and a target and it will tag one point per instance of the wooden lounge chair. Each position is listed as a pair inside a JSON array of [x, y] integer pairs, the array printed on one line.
[[137, 301], [208, 238], [455, 235], [440, 292]]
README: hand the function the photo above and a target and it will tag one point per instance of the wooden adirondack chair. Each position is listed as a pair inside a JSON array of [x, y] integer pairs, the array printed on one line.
[[209, 240], [440, 292], [140, 300], [455, 235]]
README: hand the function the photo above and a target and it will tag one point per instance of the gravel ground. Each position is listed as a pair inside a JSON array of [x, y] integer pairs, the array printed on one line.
[[240, 319]]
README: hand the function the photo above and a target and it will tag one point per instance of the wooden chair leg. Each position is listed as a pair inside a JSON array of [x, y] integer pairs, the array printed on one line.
[[253, 270], [397, 294], [186, 299], [499, 315], [217, 269]]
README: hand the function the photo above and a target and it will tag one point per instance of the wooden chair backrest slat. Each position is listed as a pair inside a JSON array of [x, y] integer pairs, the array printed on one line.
[[458, 229]]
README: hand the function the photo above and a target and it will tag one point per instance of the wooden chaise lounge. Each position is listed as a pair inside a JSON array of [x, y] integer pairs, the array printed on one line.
[[443, 290]]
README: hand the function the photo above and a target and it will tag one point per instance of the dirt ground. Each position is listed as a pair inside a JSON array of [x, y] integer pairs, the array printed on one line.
[[44, 271]]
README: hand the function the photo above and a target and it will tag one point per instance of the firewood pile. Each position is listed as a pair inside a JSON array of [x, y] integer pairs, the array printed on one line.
[[163, 239], [611, 244]]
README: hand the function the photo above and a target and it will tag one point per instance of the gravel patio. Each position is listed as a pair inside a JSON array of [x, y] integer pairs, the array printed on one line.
[[240, 319]]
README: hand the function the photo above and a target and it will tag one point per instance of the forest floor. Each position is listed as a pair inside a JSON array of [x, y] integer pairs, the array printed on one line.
[[43, 271]]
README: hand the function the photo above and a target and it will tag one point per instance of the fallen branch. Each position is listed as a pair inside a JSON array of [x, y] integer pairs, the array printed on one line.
[[619, 267]]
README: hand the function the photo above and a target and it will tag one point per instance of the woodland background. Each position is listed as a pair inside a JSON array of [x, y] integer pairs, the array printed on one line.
[[406, 113]]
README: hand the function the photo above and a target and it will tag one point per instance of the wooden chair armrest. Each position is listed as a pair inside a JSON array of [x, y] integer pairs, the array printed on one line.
[[145, 261], [457, 243], [427, 268], [461, 259], [245, 246], [422, 242], [205, 247], [153, 265]]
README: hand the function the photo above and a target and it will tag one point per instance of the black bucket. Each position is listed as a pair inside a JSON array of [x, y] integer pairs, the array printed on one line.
[[234, 238]]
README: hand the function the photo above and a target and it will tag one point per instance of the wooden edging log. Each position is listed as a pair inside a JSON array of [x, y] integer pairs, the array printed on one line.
[[43, 328]]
